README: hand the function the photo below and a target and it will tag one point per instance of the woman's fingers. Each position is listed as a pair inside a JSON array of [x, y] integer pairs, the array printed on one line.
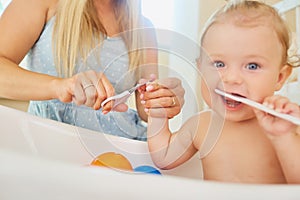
[[79, 97], [162, 102], [90, 94], [163, 112], [157, 92], [91, 88], [104, 90], [163, 98]]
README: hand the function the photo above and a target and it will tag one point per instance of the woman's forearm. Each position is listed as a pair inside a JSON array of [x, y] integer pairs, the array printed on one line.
[[20, 84]]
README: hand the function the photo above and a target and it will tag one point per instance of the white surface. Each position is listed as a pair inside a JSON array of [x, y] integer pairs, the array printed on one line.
[[48, 139], [24, 177], [44, 159]]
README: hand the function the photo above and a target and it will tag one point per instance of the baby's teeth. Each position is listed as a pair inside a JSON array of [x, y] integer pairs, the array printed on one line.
[[232, 104]]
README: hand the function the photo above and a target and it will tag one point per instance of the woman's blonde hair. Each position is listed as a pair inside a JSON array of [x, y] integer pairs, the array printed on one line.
[[77, 31], [253, 13]]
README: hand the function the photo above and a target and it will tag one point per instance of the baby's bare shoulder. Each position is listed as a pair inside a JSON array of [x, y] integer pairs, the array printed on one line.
[[198, 125], [202, 118]]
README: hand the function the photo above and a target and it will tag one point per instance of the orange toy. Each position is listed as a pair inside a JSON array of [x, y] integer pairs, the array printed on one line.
[[112, 160]]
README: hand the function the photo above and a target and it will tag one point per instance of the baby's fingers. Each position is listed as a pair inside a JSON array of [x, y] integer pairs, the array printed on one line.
[[275, 102], [280, 104]]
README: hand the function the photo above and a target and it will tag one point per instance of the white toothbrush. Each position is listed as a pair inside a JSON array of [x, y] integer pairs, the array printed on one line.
[[259, 106]]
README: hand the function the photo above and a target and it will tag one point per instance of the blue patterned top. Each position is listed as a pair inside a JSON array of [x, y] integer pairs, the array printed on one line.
[[113, 62]]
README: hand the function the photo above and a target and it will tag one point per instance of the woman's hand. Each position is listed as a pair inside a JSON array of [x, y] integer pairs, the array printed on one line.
[[88, 88], [163, 98]]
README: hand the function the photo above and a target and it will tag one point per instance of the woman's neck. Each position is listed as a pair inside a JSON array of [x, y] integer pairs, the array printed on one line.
[[104, 6], [106, 14]]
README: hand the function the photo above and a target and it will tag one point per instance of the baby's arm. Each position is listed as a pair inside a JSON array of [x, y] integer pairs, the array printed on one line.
[[284, 135], [170, 150]]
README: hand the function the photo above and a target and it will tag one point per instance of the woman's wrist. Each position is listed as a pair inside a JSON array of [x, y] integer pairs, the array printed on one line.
[[55, 88]]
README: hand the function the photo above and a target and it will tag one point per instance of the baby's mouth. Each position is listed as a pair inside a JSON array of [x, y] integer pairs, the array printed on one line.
[[230, 102]]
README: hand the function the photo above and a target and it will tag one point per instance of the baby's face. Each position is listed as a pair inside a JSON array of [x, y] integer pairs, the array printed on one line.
[[245, 61]]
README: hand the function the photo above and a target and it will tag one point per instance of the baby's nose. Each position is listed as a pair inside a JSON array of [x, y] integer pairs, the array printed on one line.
[[232, 76]]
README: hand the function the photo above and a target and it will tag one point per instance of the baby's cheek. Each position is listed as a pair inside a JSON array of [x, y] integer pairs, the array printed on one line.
[[205, 94]]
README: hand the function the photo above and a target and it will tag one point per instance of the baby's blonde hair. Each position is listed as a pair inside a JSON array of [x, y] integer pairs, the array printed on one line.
[[254, 13], [77, 31]]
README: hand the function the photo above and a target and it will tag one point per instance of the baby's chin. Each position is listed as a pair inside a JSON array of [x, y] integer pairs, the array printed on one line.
[[238, 118]]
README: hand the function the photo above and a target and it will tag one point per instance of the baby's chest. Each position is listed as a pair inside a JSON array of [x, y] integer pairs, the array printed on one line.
[[243, 159]]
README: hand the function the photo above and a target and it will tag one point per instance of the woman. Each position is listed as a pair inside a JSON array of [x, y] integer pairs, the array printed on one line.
[[62, 39]]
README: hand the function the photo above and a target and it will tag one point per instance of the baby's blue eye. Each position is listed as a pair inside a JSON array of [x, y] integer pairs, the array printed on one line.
[[252, 66], [219, 64]]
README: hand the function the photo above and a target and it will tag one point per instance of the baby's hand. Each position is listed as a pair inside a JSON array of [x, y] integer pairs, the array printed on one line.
[[275, 126]]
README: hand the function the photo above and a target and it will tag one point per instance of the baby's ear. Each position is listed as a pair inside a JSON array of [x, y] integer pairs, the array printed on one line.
[[283, 75]]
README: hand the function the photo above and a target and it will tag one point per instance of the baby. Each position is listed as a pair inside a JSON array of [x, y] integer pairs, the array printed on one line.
[[247, 44]]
